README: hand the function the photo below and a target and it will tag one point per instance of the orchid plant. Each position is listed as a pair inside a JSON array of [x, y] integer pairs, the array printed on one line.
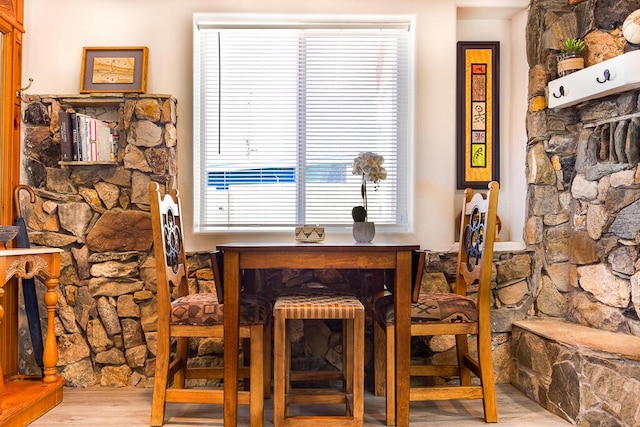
[[369, 166]]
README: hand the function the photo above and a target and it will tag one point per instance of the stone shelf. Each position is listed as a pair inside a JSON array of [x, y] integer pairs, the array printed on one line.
[[95, 99], [87, 163]]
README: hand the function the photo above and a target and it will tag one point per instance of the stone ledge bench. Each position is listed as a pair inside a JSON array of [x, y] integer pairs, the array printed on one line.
[[585, 375]]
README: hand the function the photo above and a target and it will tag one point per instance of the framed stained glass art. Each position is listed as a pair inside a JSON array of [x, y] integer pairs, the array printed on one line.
[[477, 121]]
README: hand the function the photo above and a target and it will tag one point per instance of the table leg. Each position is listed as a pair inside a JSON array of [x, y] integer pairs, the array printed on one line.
[[50, 352], [231, 336], [402, 301]]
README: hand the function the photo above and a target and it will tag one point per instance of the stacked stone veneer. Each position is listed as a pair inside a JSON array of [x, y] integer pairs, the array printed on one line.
[[584, 182], [99, 214], [583, 206], [590, 379]]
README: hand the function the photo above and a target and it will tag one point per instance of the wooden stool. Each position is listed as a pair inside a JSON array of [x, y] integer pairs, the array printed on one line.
[[319, 304]]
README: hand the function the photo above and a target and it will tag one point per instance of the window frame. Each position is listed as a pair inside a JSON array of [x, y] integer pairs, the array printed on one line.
[[407, 150]]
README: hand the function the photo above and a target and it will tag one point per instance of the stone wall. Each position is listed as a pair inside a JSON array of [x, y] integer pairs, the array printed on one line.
[[99, 214], [584, 182], [583, 205]]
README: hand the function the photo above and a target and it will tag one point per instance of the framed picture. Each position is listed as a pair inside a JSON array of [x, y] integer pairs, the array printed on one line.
[[477, 115], [114, 69]]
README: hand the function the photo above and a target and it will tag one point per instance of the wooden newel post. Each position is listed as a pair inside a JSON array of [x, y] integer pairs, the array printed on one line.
[[50, 354]]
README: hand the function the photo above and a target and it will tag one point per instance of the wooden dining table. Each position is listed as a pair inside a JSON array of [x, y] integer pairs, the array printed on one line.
[[250, 256]]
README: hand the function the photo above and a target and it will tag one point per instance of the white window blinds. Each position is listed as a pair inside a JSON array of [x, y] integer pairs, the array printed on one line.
[[281, 111]]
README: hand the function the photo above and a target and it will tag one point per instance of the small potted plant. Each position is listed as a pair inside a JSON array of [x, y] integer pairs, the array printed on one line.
[[570, 59], [369, 166]]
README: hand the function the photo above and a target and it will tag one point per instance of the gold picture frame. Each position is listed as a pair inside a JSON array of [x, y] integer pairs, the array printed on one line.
[[114, 69], [478, 128]]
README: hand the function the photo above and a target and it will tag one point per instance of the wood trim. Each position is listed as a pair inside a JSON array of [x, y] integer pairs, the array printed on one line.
[[9, 116], [11, 20], [12, 12]]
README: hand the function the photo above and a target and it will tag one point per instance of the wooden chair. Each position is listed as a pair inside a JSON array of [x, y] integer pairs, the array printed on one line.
[[182, 316], [319, 304], [450, 314]]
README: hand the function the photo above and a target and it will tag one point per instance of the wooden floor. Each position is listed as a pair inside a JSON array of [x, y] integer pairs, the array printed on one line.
[[130, 407]]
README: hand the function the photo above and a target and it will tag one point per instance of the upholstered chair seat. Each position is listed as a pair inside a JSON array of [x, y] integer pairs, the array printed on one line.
[[204, 309], [431, 308]]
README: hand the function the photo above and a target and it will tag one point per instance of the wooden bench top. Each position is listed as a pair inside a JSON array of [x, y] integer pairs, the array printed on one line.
[[573, 334]]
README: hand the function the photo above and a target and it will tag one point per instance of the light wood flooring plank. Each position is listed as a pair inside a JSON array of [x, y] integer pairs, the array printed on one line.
[[130, 407]]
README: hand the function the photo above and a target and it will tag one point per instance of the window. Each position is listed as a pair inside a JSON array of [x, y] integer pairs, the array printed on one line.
[[281, 108]]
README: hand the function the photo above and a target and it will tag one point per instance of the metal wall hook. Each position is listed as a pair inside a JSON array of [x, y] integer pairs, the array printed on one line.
[[606, 75], [561, 90], [20, 92]]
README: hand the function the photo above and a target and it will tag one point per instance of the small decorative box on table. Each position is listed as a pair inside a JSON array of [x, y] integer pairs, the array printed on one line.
[[309, 234]]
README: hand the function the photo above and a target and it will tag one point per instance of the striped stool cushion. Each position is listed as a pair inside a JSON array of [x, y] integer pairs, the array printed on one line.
[[431, 308], [204, 309], [318, 304]]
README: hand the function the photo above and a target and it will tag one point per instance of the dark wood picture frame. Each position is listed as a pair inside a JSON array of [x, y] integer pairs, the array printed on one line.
[[477, 115], [114, 69]]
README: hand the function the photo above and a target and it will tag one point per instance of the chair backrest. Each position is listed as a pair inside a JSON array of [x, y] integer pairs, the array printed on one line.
[[417, 270], [171, 264], [477, 235], [217, 265]]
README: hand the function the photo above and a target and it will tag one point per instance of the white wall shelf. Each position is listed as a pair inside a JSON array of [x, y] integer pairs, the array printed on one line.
[[608, 77]]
